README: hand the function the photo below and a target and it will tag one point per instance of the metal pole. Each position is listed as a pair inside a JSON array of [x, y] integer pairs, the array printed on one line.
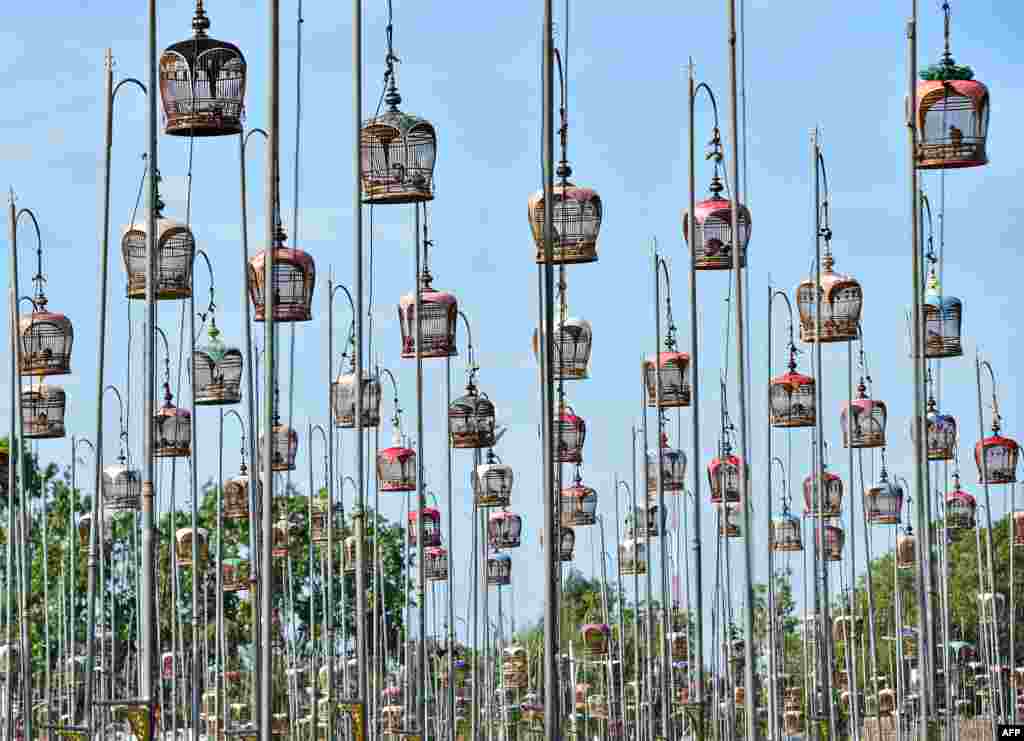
[[329, 616], [651, 638], [622, 624], [197, 668], [222, 706], [772, 667], [993, 658], [451, 562], [14, 448], [421, 502], [666, 665]]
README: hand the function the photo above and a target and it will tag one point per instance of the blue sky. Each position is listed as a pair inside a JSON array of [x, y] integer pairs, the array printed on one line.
[[476, 76]]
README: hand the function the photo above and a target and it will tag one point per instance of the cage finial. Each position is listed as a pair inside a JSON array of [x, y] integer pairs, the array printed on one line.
[[392, 96], [947, 57], [200, 22]]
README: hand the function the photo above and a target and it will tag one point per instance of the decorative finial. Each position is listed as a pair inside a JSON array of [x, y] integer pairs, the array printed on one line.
[[200, 23]]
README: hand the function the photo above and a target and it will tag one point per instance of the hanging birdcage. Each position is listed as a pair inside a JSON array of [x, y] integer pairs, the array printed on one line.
[[499, 570], [576, 214], [104, 537], [728, 526], [175, 253], [293, 281], [578, 504], [431, 527], [940, 433], [793, 722], [868, 421], [235, 574], [396, 469], [471, 420], [349, 555], [492, 483], [202, 84], [999, 464], [284, 447], [846, 626], [183, 539], [321, 522], [784, 534], [883, 502], [595, 638], [573, 341], [830, 493], [514, 669], [343, 400], [438, 321], [961, 508], [397, 152], [673, 468], [906, 550], [570, 434], [952, 117], [886, 701], [46, 339], [504, 530], [648, 522], [236, 495], [122, 487], [791, 399], [217, 371], [674, 370], [679, 643], [597, 706], [835, 538], [566, 544], [792, 698], [841, 301], [713, 244], [633, 557], [942, 316], [992, 606], [172, 429], [724, 477], [42, 412], [281, 538], [435, 563], [1018, 528]]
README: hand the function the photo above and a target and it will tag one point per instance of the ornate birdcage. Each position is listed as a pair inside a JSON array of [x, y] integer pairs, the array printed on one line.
[[940, 433], [595, 638], [992, 606], [724, 477], [183, 538], [996, 457], [514, 667], [847, 626], [835, 538], [830, 493], [122, 487], [1018, 528], [883, 502], [499, 570], [343, 400], [648, 522], [42, 412], [438, 321], [435, 563], [886, 701], [961, 508], [172, 429], [235, 574], [728, 527], [46, 339], [492, 483], [566, 544], [633, 557], [942, 317], [576, 214], [431, 527], [906, 550], [391, 716], [791, 398], [349, 554], [673, 468], [104, 537], [713, 243], [321, 522], [841, 301], [202, 84], [396, 469], [504, 530], [175, 253], [674, 370], [597, 706], [793, 722], [792, 698], [293, 280], [573, 341], [582, 689], [471, 420], [578, 504], [679, 643], [284, 446], [784, 534], [217, 371], [236, 495], [281, 538], [570, 434], [867, 427]]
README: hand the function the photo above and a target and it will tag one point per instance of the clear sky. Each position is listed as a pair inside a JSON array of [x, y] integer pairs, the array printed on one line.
[[474, 71]]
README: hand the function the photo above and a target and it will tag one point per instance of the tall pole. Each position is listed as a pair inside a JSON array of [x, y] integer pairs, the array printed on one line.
[[451, 561], [421, 706], [329, 617], [753, 729], [197, 666], [993, 658], [666, 661], [14, 447], [772, 669]]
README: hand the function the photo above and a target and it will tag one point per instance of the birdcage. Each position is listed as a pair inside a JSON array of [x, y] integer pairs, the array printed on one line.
[[217, 372], [672, 465], [504, 530], [499, 570], [396, 469], [952, 124], [728, 526], [397, 153], [573, 342], [46, 339], [940, 433], [281, 538], [841, 302], [576, 214], [42, 412], [175, 252], [866, 429], [343, 400], [633, 557], [834, 541], [847, 626], [284, 446], [183, 538], [830, 493], [674, 370], [724, 478], [597, 706], [122, 487], [172, 429], [104, 536], [942, 319], [792, 698], [648, 522], [713, 246], [886, 701], [791, 400], [793, 722], [578, 504], [784, 534], [435, 563], [992, 606], [431, 527], [293, 280], [679, 643], [595, 638], [906, 550], [321, 522], [570, 434], [349, 555], [9, 662], [514, 667], [566, 544], [996, 457], [471, 420], [236, 495], [1018, 528], [235, 574], [439, 315], [960, 510], [883, 502], [202, 84]]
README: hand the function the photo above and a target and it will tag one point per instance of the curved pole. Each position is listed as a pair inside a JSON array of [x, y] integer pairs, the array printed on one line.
[[469, 342], [714, 104], [236, 415]]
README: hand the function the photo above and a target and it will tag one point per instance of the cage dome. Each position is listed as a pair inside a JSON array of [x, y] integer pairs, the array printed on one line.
[[217, 371], [471, 420], [343, 400], [841, 302], [784, 534], [570, 434], [46, 339], [294, 279], [435, 561], [868, 421], [42, 412], [714, 238], [883, 502], [830, 491], [942, 322], [724, 478], [431, 527], [122, 488], [499, 570], [284, 446], [202, 84], [674, 369], [791, 400], [573, 342], [633, 557], [835, 538], [175, 252], [397, 152], [396, 469], [961, 508], [172, 429], [997, 456], [952, 124], [235, 574], [492, 483], [673, 468], [438, 324], [576, 218], [504, 530], [183, 545]]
